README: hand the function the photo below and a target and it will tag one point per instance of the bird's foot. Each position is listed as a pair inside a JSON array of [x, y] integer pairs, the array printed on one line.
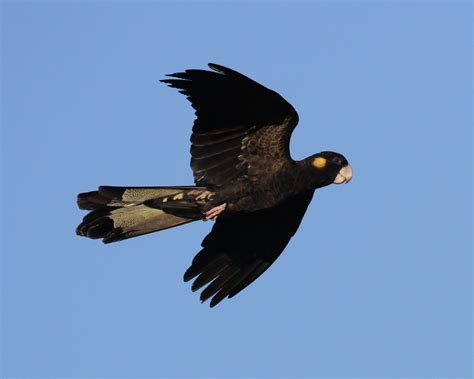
[[213, 213]]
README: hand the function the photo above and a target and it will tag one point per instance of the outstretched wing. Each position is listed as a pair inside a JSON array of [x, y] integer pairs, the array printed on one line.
[[241, 247], [240, 127]]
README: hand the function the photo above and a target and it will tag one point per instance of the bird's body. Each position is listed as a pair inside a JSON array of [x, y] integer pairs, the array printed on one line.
[[245, 179]]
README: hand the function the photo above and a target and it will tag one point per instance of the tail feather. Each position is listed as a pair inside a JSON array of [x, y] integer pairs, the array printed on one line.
[[118, 213], [91, 200]]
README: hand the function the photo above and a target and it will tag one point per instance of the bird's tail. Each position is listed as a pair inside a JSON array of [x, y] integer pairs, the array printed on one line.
[[118, 213]]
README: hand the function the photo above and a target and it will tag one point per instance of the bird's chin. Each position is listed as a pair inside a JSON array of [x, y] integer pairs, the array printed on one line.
[[344, 175]]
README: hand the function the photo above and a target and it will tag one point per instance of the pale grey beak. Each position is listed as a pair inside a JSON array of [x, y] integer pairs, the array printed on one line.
[[344, 175]]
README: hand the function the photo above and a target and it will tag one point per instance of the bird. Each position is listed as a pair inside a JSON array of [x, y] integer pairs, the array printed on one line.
[[244, 180]]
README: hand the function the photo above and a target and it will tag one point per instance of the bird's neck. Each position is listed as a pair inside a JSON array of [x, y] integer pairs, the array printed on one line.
[[308, 177]]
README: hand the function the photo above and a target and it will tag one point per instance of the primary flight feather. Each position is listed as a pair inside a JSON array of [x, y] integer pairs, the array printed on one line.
[[245, 180]]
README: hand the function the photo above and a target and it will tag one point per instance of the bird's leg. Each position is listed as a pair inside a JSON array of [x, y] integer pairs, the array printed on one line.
[[214, 212]]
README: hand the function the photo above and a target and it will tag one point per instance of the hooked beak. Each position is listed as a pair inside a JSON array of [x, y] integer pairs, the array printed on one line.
[[344, 175]]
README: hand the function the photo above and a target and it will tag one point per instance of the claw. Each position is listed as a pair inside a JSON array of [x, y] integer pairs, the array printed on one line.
[[213, 213]]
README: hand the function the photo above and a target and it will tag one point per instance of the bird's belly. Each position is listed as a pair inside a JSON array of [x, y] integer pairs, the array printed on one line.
[[251, 198]]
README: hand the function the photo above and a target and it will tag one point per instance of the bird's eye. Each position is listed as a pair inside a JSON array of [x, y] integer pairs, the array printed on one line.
[[337, 160]]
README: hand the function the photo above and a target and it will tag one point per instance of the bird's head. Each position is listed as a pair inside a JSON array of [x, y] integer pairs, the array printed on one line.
[[328, 167]]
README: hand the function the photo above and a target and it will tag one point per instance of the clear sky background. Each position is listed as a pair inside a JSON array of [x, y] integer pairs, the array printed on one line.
[[377, 281]]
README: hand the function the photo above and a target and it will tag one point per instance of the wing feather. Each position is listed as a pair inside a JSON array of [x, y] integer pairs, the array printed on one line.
[[230, 110], [241, 247]]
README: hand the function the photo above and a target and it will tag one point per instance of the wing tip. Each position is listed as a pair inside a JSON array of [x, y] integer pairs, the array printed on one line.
[[216, 67], [223, 70], [189, 274]]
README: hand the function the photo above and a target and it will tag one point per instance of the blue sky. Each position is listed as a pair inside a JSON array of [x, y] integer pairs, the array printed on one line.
[[377, 281]]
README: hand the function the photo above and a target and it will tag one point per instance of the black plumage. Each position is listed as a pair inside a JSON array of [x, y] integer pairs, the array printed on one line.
[[241, 247], [245, 179], [229, 108]]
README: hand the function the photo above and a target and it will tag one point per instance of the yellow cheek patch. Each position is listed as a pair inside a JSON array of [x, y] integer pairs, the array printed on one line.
[[319, 162]]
